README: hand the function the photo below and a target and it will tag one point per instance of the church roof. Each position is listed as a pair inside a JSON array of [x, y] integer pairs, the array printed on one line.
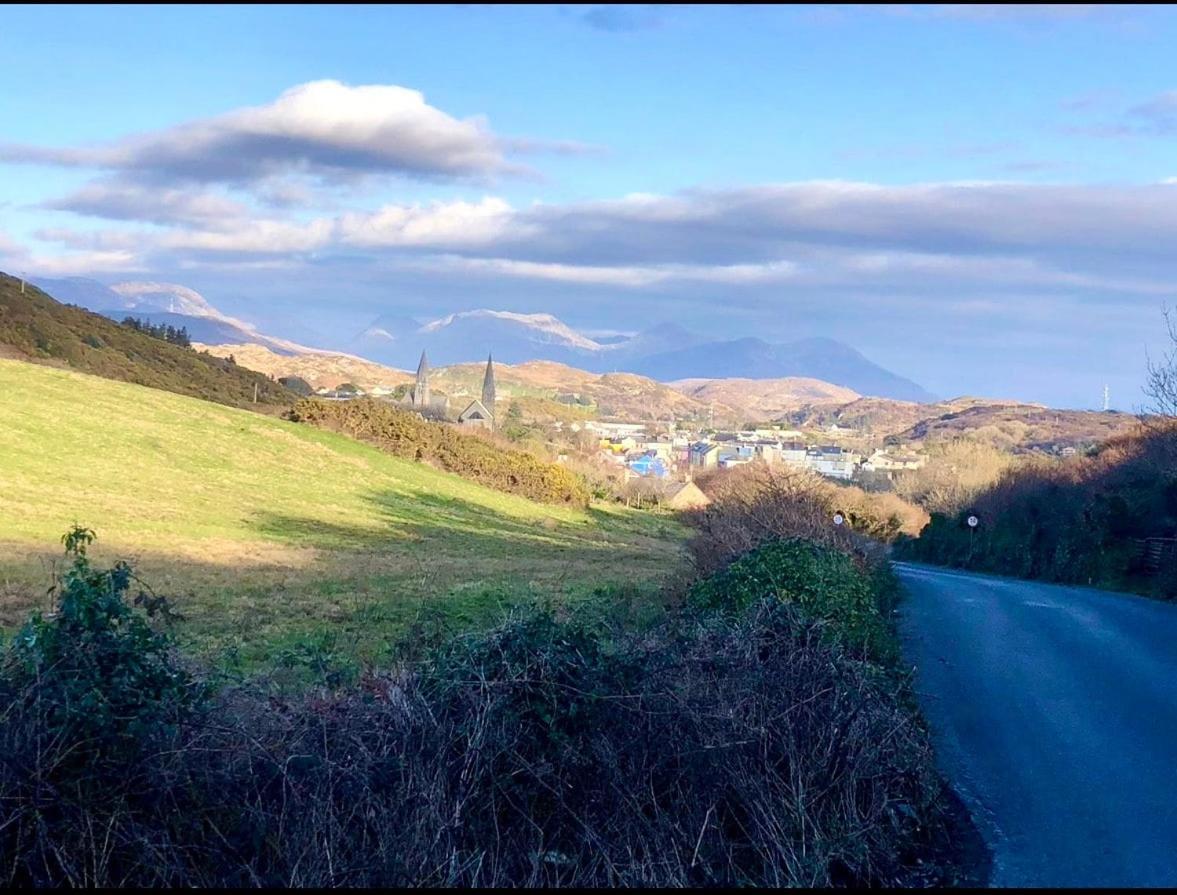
[[475, 410]]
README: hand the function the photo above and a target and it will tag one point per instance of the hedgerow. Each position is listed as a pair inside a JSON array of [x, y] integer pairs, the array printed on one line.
[[1077, 520], [711, 749]]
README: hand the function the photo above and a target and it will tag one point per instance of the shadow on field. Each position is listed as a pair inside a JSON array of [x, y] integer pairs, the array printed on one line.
[[452, 523], [370, 578]]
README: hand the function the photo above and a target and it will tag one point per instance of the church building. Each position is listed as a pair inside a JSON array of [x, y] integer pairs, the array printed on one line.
[[482, 413], [419, 397]]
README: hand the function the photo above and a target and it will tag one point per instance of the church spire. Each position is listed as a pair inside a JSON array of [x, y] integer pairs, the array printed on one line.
[[488, 387], [421, 392]]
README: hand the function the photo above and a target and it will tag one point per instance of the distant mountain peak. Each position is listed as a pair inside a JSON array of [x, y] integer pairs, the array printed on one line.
[[180, 299], [545, 324]]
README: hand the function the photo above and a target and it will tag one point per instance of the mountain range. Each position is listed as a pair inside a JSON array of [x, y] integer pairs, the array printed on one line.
[[665, 352]]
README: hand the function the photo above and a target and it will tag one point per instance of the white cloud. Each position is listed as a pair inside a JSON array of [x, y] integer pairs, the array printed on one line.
[[437, 224], [627, 276], [120, 200], [326, 129], [254, 237]]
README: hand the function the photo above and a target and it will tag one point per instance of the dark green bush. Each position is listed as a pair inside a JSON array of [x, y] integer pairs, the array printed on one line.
[[101, 675], [407, 435], [825, 583]]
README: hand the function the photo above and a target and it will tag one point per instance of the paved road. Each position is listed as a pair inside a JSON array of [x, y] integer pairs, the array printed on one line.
[[1054, 711]]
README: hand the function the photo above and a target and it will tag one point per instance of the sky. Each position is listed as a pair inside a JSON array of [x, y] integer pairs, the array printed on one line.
[[980, 198]]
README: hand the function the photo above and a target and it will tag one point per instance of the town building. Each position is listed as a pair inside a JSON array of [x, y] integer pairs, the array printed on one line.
[[831, 460], [649, 465], [888, 462], [686, 496], [703, 455]]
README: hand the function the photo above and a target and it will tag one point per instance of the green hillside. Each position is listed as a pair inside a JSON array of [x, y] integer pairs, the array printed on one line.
[[271, 535], [35, 326]]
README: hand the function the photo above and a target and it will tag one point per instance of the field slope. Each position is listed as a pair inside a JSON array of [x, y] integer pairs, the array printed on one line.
[[270, 535]]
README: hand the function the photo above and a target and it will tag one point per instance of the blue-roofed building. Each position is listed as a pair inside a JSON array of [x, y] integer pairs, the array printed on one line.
[[649, 464]]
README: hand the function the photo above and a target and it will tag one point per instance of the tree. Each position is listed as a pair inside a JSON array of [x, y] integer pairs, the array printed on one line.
[[1161, 382]]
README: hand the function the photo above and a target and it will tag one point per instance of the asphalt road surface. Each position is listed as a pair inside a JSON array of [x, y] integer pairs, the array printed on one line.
[[1054, 713]]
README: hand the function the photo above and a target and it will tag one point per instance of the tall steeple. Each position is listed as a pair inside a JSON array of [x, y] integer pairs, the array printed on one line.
[[488, 388], [421, 392]]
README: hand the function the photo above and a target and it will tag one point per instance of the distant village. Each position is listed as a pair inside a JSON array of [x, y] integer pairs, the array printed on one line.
[[681, 455], [669, 451]]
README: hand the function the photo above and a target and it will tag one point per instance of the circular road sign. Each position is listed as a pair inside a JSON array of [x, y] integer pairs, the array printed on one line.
[[973, 521], [839, 518]]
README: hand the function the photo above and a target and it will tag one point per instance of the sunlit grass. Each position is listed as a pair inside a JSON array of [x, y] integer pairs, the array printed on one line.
[[265, 531]]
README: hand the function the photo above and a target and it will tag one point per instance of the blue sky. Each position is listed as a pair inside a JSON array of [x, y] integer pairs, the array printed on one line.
[[974, 197]]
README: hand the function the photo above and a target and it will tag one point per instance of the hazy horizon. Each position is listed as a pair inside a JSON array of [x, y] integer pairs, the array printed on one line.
[[980, 199]]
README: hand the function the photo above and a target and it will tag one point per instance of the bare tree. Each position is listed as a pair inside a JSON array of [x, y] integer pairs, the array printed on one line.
[[1161, 383]]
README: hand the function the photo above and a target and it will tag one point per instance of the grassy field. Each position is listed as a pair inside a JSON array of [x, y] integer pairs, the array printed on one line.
[[274, 539]]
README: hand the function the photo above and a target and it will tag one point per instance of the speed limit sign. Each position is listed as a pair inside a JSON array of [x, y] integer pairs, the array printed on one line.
[[839, 518], [973, 521]]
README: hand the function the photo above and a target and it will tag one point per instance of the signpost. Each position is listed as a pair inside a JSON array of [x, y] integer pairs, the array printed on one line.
[[972, 523]]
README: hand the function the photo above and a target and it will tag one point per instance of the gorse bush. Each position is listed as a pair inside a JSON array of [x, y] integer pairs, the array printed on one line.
[[825, 583], [470, 456]]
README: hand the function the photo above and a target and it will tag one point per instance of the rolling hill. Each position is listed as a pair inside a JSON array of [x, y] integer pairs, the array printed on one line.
[[1023, 427], [612, 395], [557, 391], [36, 327], [271, 536], [1008, 425], [765, 399], [320, 369]]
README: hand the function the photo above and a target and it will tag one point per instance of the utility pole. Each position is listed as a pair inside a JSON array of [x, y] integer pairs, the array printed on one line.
[[1106, 401]]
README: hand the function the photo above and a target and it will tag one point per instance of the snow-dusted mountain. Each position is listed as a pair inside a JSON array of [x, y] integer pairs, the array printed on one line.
[[470, 335], [168, 298], [540, 327]]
